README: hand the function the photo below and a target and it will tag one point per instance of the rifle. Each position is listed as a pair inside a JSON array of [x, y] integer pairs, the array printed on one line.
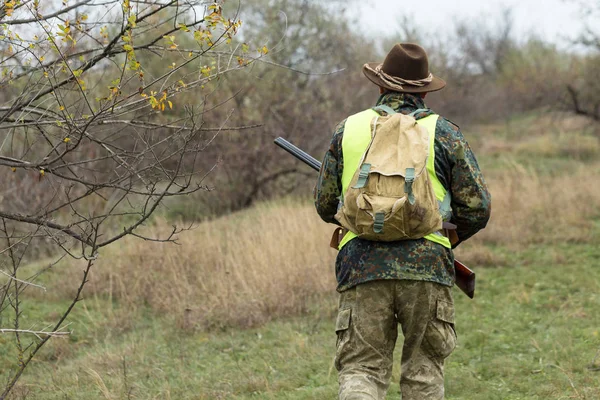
[[465, 277]]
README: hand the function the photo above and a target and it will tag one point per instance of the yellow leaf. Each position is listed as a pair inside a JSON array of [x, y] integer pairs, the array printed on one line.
[[61, 108], [66, 140], [170, 104]]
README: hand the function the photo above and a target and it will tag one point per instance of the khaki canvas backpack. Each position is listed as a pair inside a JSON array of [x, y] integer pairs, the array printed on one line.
[[391, 196]]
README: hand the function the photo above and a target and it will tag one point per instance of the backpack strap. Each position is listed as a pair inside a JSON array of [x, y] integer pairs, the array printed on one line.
[[389, 110], [378, 222], [363, 175], [409, 178], [417, 111], [445, 207]]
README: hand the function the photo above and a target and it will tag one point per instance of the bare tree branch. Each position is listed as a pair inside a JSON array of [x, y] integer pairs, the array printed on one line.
[[100, 122]]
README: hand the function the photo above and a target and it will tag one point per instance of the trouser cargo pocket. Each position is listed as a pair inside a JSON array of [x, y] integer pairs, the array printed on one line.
[[440, 337], [342, 324]]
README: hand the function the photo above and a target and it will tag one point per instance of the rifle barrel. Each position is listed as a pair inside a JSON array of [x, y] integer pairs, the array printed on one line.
[[299, 154]]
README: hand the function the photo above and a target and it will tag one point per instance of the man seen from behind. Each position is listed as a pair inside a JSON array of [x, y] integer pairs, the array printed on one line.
[[406, 283]]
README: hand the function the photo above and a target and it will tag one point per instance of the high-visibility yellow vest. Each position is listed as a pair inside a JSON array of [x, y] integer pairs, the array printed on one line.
[[356, 139]]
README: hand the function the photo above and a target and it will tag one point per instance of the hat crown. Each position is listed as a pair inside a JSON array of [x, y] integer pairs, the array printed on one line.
[[405, 70], [406, 61]]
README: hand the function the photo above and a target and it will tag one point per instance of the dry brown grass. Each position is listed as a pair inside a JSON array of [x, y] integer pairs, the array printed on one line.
[[545, 135], [580, 147], [242, 270], [529, 209]]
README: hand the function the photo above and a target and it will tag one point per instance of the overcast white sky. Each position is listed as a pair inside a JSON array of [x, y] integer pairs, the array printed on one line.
[[552, 20]]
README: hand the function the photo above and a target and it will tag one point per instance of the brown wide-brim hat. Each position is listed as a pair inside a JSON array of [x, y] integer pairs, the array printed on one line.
[[408, 62]]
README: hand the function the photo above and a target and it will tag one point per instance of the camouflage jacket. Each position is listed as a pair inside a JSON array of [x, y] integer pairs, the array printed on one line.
[[361, 260]]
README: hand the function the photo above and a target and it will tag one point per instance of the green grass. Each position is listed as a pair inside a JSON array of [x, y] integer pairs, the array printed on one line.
[[532, 332]]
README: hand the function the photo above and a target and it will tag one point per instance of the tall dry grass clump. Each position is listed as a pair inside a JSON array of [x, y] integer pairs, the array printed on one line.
[[240, 270], [529, 208]]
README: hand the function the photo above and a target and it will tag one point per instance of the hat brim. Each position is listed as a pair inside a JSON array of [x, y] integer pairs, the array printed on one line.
[[434, 85]]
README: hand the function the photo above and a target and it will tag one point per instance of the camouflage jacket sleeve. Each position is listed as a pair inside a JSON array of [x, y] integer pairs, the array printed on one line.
[[471, 200], [329, 185]]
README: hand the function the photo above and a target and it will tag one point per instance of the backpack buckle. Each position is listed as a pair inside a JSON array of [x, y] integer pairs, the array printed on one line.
[[363, 175]]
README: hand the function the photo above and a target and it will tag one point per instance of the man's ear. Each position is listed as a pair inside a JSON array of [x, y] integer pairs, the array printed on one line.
[[381, 90]]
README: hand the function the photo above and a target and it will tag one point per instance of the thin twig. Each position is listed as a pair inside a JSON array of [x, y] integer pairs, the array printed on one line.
[[38, 334], [21, 281]]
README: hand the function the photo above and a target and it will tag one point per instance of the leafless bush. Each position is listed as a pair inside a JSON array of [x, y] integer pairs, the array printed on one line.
[[95, 133]]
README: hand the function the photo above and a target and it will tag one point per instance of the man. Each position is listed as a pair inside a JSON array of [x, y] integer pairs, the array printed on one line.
[[407, 283]]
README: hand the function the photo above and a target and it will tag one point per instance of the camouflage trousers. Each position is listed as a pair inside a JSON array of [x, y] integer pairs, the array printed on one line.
[[367, 328]]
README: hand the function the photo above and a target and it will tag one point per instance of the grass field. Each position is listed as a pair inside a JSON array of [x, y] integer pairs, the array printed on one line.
[[532, 332], [244, 307]]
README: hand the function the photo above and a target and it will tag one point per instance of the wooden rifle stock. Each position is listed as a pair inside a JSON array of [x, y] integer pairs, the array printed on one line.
[[465, 277]]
